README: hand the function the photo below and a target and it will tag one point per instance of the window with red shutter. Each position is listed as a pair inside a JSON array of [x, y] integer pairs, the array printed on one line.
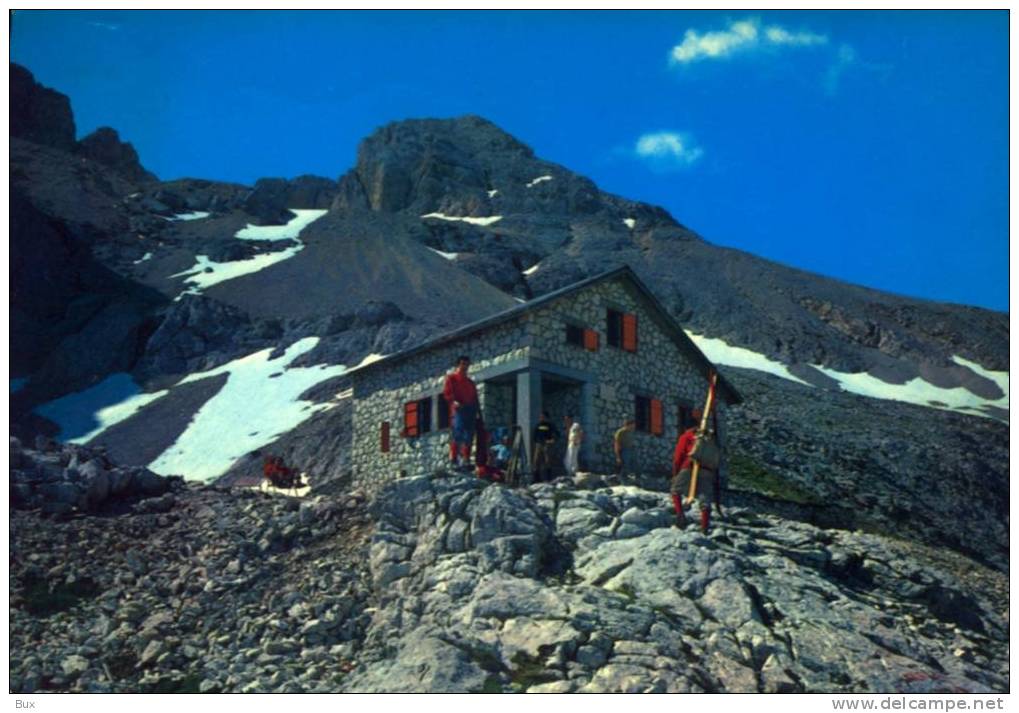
[[630, 332], [590, 340], [411, 428], [385, 437], [657, 422]]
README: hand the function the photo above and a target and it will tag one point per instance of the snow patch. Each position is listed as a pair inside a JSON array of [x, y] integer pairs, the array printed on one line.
[[720, 352], [532, 269], [519, 299], [448, 256], [266, 487], [998, 377], [629, 223], [493, 193], [345, 394], [303, 217], [259, 402], [473, 221], [538, 180], [205, 272], [194, 215], [369, 359], [85, 414], [143, 258], [921, 392]]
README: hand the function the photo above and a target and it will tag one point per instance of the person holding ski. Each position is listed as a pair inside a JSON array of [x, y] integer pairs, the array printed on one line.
[[700, 448]]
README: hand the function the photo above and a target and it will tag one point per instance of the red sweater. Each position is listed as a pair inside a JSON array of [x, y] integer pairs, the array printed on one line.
[[681, 456], [459, 387]]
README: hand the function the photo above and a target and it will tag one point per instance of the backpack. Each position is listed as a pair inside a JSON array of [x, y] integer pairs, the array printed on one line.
[[707, 453]]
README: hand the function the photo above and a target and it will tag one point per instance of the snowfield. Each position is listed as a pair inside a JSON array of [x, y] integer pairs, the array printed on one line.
[[83, 415], [258, 403], [924, 393], [538, 180], [915, 391], [205, 272], [143, 258], [532, 269], [629, 223], [720, 352], [303, 217], [473, 221]]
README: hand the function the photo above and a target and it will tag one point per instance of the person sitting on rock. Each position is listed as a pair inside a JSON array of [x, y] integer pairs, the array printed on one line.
[[462, 396]]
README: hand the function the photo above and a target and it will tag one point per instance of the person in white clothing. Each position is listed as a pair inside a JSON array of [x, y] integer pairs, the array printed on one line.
[[574, 437]]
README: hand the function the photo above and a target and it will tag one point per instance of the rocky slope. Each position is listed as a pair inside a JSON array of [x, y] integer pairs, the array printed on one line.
[[447, 583]]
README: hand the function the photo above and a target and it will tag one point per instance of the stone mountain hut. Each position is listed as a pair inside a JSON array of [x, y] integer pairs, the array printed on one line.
[[603, 349]]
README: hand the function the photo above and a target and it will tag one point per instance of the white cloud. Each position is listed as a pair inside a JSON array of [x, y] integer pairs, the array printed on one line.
[[741, 36], [667, 149]]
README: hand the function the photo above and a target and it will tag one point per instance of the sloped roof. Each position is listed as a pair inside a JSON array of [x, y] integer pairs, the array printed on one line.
[[651, 303]]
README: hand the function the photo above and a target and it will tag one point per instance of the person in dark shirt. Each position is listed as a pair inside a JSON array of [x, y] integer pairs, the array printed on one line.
[[545, 436]]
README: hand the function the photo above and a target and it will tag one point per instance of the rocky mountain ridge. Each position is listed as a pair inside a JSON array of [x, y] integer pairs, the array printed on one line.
[[447, 583]]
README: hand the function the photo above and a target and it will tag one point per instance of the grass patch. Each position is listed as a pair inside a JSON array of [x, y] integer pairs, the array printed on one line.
[[749, 474], [43, 600]]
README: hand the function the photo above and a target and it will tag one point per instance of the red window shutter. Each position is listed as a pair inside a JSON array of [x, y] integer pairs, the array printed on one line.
[[385, 437], [657, 426], [410, 420], [630, 332], [591, 340]]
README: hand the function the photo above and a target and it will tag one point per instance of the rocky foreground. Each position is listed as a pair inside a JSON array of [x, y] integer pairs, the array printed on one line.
[[447, 583]]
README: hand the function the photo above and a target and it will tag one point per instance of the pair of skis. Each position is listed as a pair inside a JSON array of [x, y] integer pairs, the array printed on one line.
[[705, 415]]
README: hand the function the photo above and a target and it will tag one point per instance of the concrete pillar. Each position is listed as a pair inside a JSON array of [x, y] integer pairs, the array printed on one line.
[[589, 422], [528, 406]]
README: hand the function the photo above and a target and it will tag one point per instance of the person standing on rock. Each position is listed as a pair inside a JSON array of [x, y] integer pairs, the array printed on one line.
[[707, 455], [574, 437], [544, 437], [462, 396], [622, 443]]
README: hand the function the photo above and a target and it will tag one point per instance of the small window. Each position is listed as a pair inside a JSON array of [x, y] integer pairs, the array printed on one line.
[[384, 445], [614, 328], [590, 340], [443, 412], [574, 335], [642, 413], [417, 417], [425, 414]]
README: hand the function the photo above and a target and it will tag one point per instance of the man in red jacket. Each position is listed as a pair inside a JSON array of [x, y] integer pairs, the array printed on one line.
[[462, 396]]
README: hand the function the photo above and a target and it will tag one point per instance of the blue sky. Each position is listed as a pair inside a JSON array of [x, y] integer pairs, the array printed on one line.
[[868, 146]]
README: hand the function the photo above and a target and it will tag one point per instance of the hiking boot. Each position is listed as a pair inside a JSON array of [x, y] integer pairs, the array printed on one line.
[[680, 522]]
